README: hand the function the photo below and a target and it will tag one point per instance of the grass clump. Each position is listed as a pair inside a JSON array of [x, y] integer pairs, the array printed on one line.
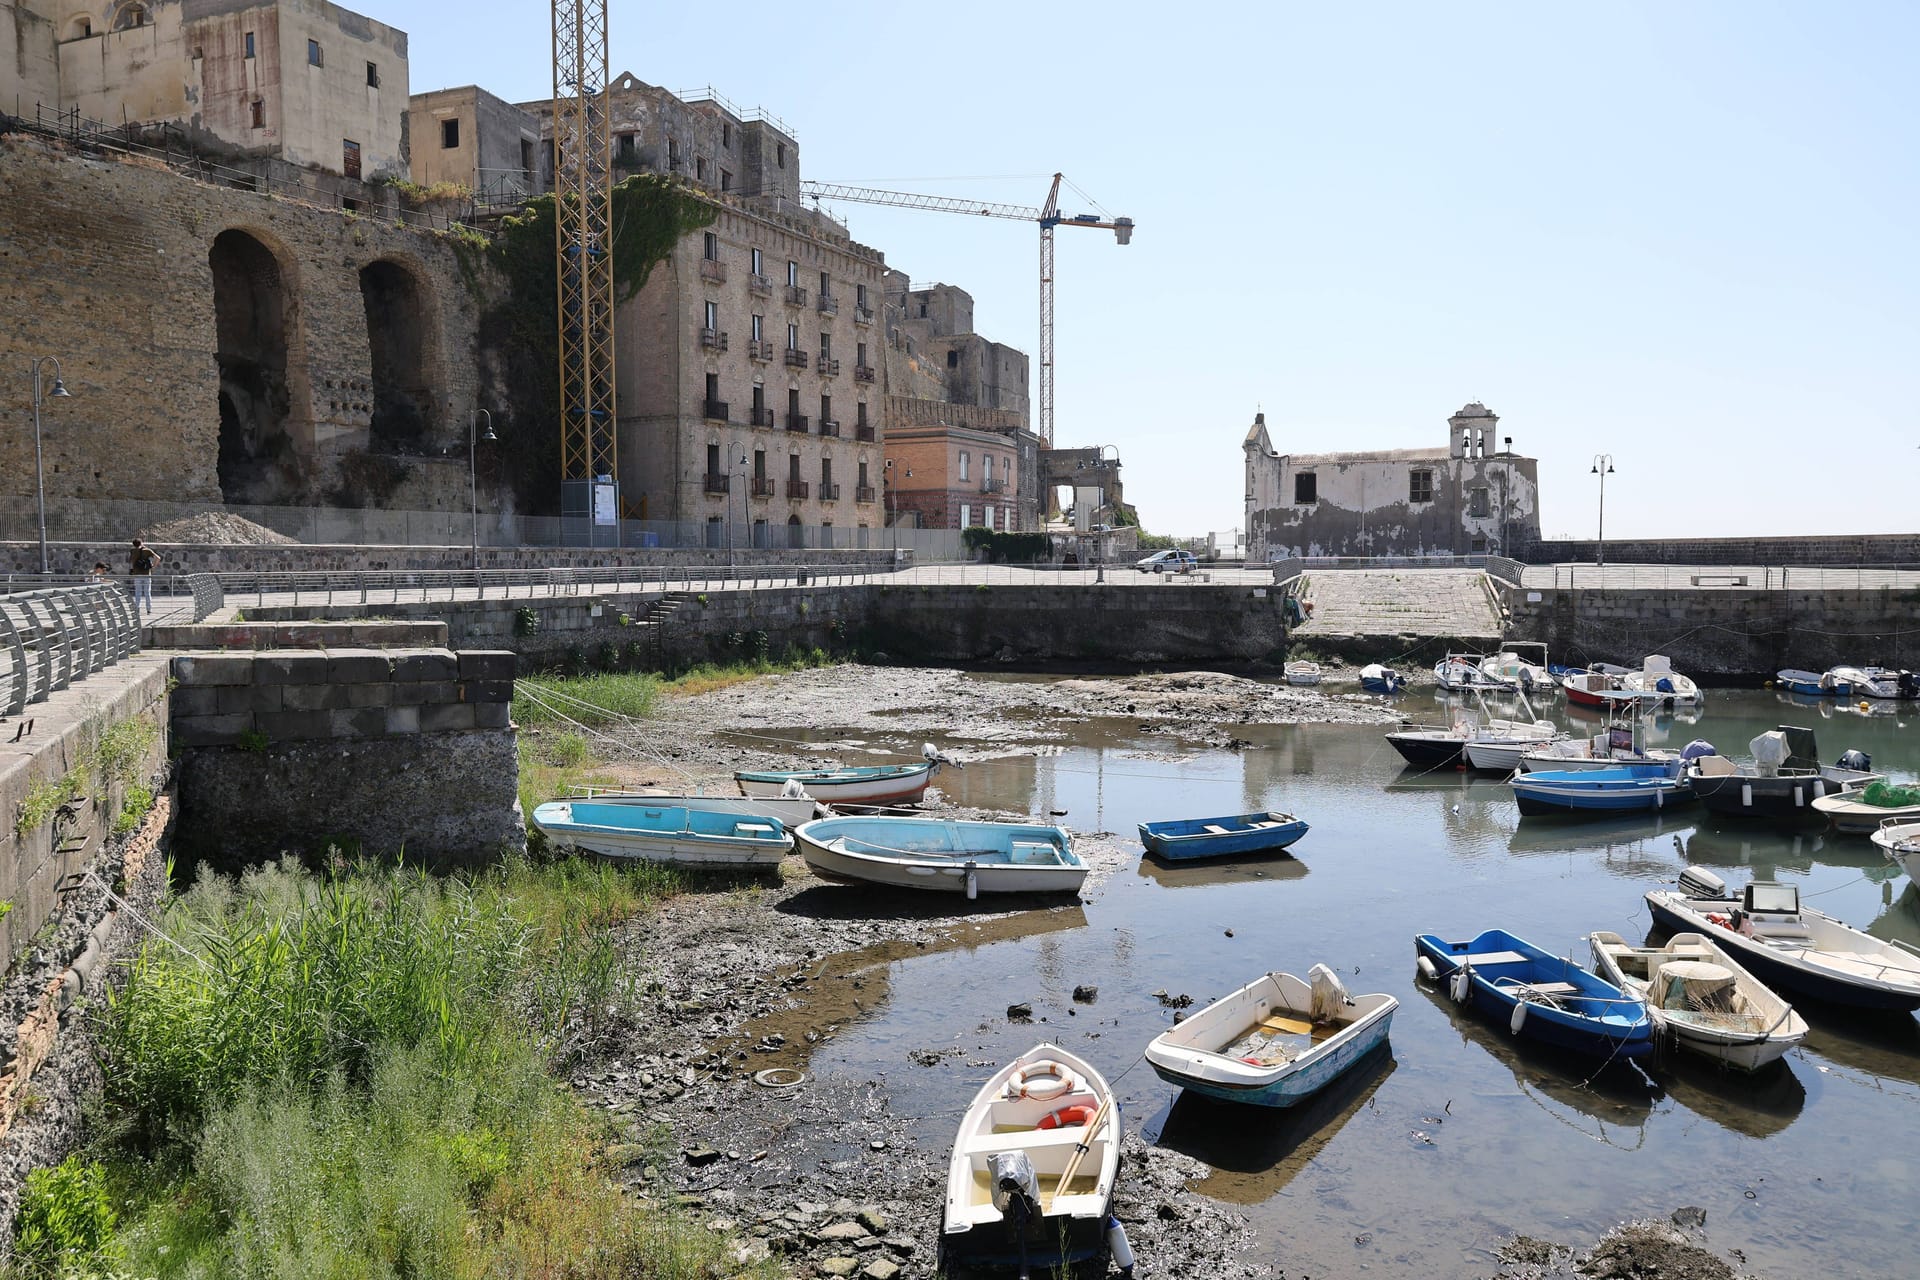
[[66, 1220], [594, 700]]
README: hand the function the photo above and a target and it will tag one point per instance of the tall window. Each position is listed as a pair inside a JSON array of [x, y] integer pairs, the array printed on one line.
[[826, 476], [860, 413], [793, 337], [713, 459], [759, 267], [966, 466], [713, 315], [826, 285], [373, 75], [986, 470], [350, 158], [759, 328], [314, 58], [826, 408], [711, 247], [1478, 503], [259, 113], [1420, 486], [793, 274], [966, 516], [1306, 489], [826, 346], [449, 135], [249, 44], [860, 296], [759, 464], [860, 354]]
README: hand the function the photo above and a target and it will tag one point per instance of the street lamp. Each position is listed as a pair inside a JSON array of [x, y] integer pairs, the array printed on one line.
[[473, 471], [745, 515], [60, 392], [1602, 467]]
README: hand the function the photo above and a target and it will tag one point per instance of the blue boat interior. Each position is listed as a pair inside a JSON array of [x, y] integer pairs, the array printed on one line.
[[857, 773], [1245, 823], [677, 821], [988, 842], [1517, 970]]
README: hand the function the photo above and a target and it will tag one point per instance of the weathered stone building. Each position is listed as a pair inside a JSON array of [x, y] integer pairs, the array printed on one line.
[[1469, 497], [469, 138], [226, 345], [302, 82], [751, 398]]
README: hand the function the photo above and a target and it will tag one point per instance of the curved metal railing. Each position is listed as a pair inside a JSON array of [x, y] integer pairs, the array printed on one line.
[[53, 637]]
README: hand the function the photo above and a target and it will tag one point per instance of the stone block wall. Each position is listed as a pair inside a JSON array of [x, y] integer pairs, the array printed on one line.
[[1880, 549], [381, 749]]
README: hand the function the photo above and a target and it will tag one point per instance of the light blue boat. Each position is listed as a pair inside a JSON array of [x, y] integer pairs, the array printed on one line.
[[1190, 838], [1621, 788], [934, 853], [688, 837], [1264, 1044], [1540, 996]]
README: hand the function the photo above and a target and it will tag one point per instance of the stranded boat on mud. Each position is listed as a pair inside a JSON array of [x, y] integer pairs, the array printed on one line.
[[675, 834], [933, 853], [862, 784]]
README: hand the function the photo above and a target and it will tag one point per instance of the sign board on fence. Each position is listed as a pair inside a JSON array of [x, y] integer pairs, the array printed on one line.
[[604, 511]]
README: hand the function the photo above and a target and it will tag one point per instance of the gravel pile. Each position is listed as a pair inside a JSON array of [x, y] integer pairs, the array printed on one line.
[[218, 528]]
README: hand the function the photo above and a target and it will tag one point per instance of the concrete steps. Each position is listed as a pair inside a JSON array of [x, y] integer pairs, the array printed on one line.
[[1411, 602]]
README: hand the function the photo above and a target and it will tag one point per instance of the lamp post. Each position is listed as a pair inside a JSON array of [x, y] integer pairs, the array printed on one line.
[[473, 471], [745, 515], [1506, 483], [59, 392], [1602, 467]]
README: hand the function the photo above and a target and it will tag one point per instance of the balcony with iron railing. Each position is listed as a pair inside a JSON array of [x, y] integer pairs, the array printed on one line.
[[795, 358], [863, 493], [828, 304], [863, 315], [863, 373], [717, 484], [762, 417], [796, 295], [715, 338], [796, 489], [713, 269], [763, 486], [759, 350], [829, 366], [757, 283], [797, 422], [863, 433], [993, 486], [716, 410], [830, 427], [829, 493]]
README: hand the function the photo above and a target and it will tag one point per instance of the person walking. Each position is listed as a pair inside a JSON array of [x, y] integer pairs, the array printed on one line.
[[144, 558]]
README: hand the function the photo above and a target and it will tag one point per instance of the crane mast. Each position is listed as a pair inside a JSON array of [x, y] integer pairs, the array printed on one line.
[[583, 249], [1047, 215]]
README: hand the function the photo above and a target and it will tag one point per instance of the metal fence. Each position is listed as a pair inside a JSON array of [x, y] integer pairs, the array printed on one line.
[[114, 520], [1692, 577], [54, 636]]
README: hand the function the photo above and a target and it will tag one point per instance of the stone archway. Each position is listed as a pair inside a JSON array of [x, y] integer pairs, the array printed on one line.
[[400, 340], [257, 461], [796, 536]]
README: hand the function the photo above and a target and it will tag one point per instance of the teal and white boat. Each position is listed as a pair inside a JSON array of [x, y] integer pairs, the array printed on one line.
[[954, 857], [860, 784], [1274, 1042], [677, 834]]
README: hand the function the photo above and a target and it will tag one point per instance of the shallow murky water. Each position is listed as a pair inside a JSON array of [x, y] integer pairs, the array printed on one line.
[[1428, 1154]]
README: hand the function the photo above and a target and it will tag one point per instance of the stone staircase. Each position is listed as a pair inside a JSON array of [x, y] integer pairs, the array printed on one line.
[[1398, 602]]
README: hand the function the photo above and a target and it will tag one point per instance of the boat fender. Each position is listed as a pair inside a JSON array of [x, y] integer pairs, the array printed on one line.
[[1118, 1247], [973, 882], [1043, 1081], [1427, 968], [1746, 795], [1519, 1018], [1459, 986], [1066, 1117]]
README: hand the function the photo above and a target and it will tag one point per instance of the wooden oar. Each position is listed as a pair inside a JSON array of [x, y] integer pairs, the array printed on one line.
[[1080, 1149]]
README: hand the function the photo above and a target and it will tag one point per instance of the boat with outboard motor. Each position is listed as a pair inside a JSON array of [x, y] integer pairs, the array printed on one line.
[[1783, 781], [1591, 686], [1030, 1182], [1509, 669], [1701, 997], [1617, 789], [1432, 747], [1541, 996], [1656, 682], [1888, 684], [934, 853], [1275, 1042], [1814, 684], [1461, 671], [1375, 678], [1790, 947]]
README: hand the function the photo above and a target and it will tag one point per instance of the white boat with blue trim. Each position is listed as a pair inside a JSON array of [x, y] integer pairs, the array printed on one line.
[[934, 853], [676, 834]]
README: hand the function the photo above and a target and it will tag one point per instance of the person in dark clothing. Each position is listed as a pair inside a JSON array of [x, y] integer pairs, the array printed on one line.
[[144, 559]]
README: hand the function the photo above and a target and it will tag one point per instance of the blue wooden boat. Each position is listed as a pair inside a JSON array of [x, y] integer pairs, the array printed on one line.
[[1275, 1042], [1540, 996], [1814, 684], [678, 834], [1614, 789], [1220, 837]]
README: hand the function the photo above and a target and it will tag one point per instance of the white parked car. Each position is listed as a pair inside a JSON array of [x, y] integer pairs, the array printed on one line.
[[1167, 562]]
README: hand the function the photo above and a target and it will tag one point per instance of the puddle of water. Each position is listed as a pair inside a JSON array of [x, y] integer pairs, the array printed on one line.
[[1458, 1134]]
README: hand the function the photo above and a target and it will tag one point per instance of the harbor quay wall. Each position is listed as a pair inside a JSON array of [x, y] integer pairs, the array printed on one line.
[[1857, 549], [1033, 626], [383, 751], [1722, 634]]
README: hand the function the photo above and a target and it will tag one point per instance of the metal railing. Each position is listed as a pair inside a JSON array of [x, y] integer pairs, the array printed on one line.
[[717, 483], [863, 373], [54, 636], [797, 422], [796, 295], [829, 366], [828, 304], [715, 338], [757, 283], [713, 269], [796, 489], [716, 410], [795, 358], [761, 417], [1726, 577], [829, 426], [758, 349]]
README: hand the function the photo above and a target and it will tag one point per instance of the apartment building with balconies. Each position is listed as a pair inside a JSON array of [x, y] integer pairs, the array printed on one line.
[[941, 476]]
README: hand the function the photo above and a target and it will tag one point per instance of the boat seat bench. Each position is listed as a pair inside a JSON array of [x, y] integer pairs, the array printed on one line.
[[1026, 1139], [1490, 957], [1546, 988], [1213, 829]]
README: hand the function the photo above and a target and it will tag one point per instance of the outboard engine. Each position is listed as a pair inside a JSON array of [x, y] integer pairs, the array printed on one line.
[[1698, 882], [1016, 1191], [1697, 748], [1857, 760], [1909, 685]]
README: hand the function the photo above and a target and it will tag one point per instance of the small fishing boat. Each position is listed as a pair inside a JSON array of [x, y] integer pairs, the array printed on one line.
[[1509, 669], [1790, 947], [1658, 683], [1190, 838], [1303, 672], [687, 837], [1701, 997], [1541, 996], [1900, 841], [858, 784], [1620, 788], [933, 853], [1031, 1179], [1813, 684], [1375, 678], [1783, 781], [1861, 811], [1500, 752], [1590, 687], [1459, 671], [1889, 683], [790, 810], [1275, 1042], [1431, 747]]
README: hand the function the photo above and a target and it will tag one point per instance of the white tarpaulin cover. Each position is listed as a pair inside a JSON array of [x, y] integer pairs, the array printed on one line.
[[1770, 750], [1329, 996]]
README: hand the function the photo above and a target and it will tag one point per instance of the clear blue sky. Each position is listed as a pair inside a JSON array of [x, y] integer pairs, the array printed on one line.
[[1679, 234]]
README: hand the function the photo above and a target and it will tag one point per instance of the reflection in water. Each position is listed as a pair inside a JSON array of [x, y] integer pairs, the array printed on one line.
[[1265, 866], [1616, 1100], [1256, 1151], [1882, 1047], [1640, 845], [1769, 852], [1900, 922], [1757, 1105]]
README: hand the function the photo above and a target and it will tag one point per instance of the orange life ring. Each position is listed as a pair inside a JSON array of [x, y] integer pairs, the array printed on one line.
[[1044, 1081], [1066, 1117], [1714, 917]]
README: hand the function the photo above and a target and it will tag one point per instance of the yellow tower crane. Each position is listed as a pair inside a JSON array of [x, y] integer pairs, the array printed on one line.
[[583, 249], [1047, 215]]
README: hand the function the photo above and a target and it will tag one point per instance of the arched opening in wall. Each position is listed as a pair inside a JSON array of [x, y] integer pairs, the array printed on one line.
[[256, 459], [796, 537], [398, 334], [131, 15]]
